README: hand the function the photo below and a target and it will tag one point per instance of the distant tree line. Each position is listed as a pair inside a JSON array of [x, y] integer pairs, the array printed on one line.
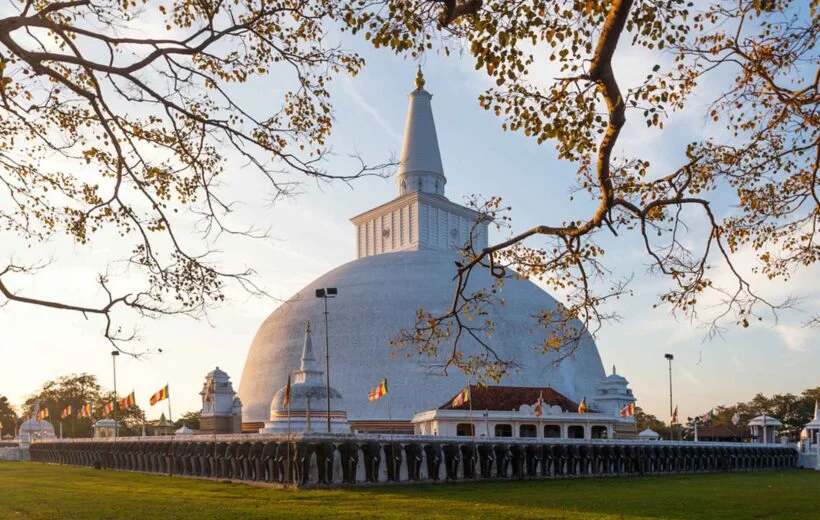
[[794, 411], [76, 390]]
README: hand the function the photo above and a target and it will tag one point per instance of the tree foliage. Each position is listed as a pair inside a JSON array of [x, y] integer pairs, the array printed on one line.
[[759, 151], [8, 417], [118, 120], [110, 131], [76, 390], [189, 419]]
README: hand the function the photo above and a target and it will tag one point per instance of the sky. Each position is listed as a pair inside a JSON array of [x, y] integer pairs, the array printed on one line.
[[310, 234]]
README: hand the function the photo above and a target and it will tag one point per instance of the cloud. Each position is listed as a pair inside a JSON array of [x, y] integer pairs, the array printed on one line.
[[689, 376], [350, 89], [795, 337]]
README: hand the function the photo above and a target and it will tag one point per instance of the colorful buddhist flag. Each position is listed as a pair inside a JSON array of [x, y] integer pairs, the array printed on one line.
[[582, 408], [209, 391], [539, 411], [286, 401], [108, 408], [85, 410], [706, 417], [379, 391], [736, 418], [462, 397], [628, 410], [42, 414], [675, 416], [128, 401], [66, 412], [160, 395]]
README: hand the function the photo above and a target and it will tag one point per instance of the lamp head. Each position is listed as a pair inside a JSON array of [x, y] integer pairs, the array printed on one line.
[[327, 292], [115, 352], [670, 357]]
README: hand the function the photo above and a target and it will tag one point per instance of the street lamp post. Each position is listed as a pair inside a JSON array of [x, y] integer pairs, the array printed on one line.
[[325, 293], [114, 354], [669, 358]]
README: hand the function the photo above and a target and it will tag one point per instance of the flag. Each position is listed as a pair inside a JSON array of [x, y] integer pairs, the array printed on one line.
[[582, 408], [675, 416], [108, 408], [462, 397], [286, 400], [42, 414], [209, 391], [159, 395], [66, 412], [379, 391], [539, 405], [85, 410], [127, 401], [736, 418], [706, 417], [628, 410]]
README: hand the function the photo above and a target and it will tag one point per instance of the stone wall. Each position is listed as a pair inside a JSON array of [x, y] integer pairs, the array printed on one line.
[[322, 459], [13, 453]]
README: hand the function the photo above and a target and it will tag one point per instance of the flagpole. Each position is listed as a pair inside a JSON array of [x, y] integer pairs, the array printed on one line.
[[390, 420], [472, 425], [170, 417], [287, 465]]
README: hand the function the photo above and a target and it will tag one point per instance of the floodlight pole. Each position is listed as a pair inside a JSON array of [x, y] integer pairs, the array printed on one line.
[[669, 358], [114, 354], [325, 293]]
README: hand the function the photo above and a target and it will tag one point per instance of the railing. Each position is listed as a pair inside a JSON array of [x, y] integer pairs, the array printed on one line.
[[327, 459]]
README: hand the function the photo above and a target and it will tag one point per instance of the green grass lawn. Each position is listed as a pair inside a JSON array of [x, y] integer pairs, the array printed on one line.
[[33, 490]]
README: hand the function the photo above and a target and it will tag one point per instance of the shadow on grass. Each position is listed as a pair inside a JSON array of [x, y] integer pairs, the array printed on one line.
[[41, 491], [764, 494]]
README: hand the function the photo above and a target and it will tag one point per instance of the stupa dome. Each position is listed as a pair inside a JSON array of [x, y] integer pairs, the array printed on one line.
[[35, 429], [406, 250], [378, 296]]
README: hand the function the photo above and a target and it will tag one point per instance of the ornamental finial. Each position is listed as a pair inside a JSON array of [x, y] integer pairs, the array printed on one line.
[[307, 327], [419, 79]]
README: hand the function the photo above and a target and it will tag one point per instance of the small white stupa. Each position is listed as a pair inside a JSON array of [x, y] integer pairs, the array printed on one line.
[[184, 431], [649, 435], [307, 409], [34, 428], [811, 432], [612, 394]]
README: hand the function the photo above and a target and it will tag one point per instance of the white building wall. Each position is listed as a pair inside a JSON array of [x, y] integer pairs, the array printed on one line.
[[415, 225]]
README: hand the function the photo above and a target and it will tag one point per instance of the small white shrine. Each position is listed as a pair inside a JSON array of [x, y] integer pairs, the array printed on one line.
[[221, 407], [764, 429], [307, 409], [106, 428]]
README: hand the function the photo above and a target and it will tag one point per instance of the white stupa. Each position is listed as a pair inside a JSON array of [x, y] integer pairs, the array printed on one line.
[[812, 429], [307, 410], [612, 394], [406, 249], [35, 428]]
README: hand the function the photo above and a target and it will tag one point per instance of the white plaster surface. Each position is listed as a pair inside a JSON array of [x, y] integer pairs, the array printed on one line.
[[379, 295]]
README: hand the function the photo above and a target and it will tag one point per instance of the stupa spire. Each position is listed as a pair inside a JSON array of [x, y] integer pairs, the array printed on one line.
[[420, 167], [308, 359]]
